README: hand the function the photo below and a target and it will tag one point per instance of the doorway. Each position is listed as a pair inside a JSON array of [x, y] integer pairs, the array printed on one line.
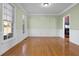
[[66, 27], [66, 35]]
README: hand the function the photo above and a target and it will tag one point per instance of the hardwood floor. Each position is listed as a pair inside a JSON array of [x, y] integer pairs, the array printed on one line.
[[44, 46]]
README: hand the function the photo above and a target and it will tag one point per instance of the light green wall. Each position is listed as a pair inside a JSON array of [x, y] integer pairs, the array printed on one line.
[[74, 17], [59, 22], [74, 23], [42, 22], [19, 21]]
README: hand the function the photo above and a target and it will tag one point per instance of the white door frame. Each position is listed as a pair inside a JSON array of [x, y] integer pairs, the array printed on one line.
[[64, 23]]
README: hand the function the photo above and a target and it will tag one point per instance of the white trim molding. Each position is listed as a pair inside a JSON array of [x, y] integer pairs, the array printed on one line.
[[43, 14], [74, 4]]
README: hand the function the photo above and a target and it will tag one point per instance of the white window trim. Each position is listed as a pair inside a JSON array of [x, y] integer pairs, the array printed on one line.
[[14, 21]]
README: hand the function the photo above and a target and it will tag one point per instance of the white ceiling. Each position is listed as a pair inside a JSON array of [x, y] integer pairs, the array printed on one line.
[[36, 8]]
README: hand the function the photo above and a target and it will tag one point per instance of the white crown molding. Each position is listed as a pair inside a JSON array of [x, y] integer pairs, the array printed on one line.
[[42, 14], [67, 8]]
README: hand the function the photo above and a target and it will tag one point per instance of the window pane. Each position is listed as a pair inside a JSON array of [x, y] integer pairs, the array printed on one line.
[[4, 17], [4, 11], [9, 27], [5, 5], [5, 27], [9, 13], [9, 7], [7, 20]]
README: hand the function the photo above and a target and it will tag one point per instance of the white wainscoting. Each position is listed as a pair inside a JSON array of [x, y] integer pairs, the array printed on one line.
[[43, 32], [74, 36], [60, 33]]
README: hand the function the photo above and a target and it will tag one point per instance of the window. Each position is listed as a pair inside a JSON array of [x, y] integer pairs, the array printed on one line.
[[8, 16], [23, 26]]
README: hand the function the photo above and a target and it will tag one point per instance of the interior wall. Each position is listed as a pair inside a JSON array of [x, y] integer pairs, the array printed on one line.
[[74, 23], [43, 25], [18, 29], [59, 24]]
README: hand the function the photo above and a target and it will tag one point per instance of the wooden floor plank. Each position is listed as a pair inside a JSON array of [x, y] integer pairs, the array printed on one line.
[[44, 46]]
